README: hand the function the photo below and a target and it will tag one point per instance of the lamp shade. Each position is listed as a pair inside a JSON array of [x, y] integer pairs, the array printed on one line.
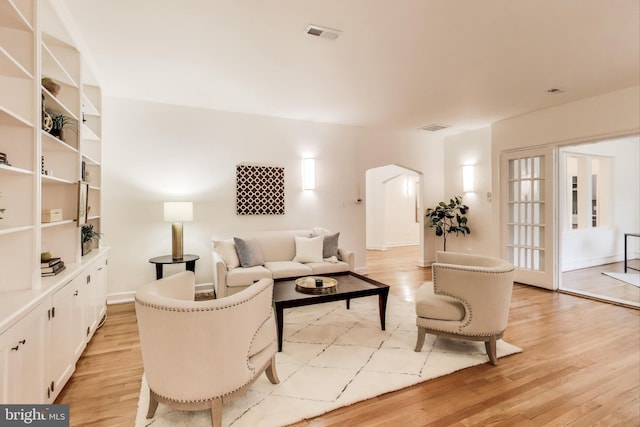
[[178, 211]]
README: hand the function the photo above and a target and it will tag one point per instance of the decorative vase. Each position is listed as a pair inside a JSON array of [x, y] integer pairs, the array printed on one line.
[[86, 248]]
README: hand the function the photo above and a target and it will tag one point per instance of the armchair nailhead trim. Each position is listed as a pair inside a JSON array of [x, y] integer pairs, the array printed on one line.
[[467, 307], [213, 397], [195, 309], [271, 317]]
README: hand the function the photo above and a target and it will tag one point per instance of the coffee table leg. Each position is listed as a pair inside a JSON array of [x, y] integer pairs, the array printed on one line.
[[348, 303], [279, 311], [382, 306]]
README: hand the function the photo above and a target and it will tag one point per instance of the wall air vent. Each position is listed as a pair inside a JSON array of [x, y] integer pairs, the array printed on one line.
[[434, 127], [322, 32]]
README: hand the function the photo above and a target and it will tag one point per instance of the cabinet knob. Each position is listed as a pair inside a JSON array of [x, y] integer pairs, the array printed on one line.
[[16, 348], [75, 294], [23, 342]]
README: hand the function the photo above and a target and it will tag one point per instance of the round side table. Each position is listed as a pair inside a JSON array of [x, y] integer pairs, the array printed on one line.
[[188, 259]]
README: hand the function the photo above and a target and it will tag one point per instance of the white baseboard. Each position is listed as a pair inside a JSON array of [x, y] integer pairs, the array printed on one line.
[[590, 262]]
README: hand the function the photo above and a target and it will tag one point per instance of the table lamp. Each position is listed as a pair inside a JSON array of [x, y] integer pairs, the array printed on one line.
[[177, 213]]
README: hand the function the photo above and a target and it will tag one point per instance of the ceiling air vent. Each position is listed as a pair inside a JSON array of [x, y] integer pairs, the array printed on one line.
[[434, 127], [322, 32]]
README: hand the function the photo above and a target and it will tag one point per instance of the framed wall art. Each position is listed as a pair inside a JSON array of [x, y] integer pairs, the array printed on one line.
[[259, 190], [83, 197]]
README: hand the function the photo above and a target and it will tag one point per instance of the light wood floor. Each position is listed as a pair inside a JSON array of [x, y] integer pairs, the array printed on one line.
[[580, 367], [592, 281]]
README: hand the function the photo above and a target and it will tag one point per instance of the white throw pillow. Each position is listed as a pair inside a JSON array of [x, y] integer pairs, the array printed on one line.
[[308, 249], [227, 250]]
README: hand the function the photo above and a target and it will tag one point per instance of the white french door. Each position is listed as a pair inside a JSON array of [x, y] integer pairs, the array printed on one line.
[[528, 211]]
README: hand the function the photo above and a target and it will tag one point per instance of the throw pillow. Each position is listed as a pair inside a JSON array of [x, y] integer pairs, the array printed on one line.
[[308, 249], [227, 250], [249, 252], [330, 245]]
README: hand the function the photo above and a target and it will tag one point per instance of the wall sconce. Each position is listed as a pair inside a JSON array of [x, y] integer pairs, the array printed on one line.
[[309, 173], [177, 213], [468, 179]]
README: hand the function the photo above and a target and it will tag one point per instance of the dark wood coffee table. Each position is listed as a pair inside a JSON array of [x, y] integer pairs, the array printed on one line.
[[350, 285]]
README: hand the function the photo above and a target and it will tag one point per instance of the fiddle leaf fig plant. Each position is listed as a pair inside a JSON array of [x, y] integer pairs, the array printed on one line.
[[449, 218]]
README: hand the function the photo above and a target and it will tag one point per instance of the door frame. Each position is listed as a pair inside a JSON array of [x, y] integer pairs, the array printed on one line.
[[549, 279]]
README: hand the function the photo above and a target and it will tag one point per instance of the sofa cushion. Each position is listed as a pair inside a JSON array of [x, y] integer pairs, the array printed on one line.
[[247, 276], [328, 267], [249, 252], [330, 245], [285, 269], [277, 245], [227, 250], [308, 249]]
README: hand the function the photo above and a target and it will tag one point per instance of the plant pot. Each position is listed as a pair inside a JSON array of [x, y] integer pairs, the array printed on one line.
[[86, 248]]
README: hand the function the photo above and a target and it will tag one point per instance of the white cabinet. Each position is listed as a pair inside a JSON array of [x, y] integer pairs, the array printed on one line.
[[96, 290], [39, 351], [22, 359], [66, 338]]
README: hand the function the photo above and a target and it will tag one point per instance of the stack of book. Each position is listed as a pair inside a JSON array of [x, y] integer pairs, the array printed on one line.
[[52, 267]]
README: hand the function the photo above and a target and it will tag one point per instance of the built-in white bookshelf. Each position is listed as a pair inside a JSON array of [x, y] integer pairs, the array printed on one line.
[[44, 172]]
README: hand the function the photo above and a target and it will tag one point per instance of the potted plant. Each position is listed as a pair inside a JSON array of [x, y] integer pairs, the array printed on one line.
[[87, 236], [59, 122], [449, 218]]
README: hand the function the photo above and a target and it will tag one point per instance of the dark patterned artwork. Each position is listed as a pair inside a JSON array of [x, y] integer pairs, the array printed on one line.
[[259, 190]]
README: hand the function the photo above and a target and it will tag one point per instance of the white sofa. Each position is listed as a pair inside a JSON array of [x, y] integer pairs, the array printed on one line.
[[285, 254]]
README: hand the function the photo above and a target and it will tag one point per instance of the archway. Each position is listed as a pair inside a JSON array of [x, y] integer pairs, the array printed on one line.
[[394, 206]]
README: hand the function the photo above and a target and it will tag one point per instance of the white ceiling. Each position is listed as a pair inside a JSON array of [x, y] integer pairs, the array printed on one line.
[[399, 64]]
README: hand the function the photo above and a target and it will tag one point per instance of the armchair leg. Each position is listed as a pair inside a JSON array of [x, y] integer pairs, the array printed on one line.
[[153, 405], [216, 412], [421, 333], [271, 372], [490, 346]]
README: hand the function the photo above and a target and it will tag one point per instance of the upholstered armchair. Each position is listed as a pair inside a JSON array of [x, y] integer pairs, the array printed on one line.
[[195, 353], [469, 299]]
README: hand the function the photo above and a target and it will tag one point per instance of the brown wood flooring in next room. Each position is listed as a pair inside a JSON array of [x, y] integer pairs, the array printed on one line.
[[580, 366]]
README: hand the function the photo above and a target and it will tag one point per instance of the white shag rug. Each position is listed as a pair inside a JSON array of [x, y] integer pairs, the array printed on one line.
[[333, 357], [630, 278]]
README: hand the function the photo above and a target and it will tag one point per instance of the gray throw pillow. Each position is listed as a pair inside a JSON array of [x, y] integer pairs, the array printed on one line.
[[330, 245], [249, 252]]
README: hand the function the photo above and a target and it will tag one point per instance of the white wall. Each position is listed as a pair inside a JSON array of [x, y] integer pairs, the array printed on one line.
[[611, 115], [471, 148], [155, 153]]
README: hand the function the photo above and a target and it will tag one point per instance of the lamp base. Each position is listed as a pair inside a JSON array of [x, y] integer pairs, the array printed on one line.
[[177, 250]]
